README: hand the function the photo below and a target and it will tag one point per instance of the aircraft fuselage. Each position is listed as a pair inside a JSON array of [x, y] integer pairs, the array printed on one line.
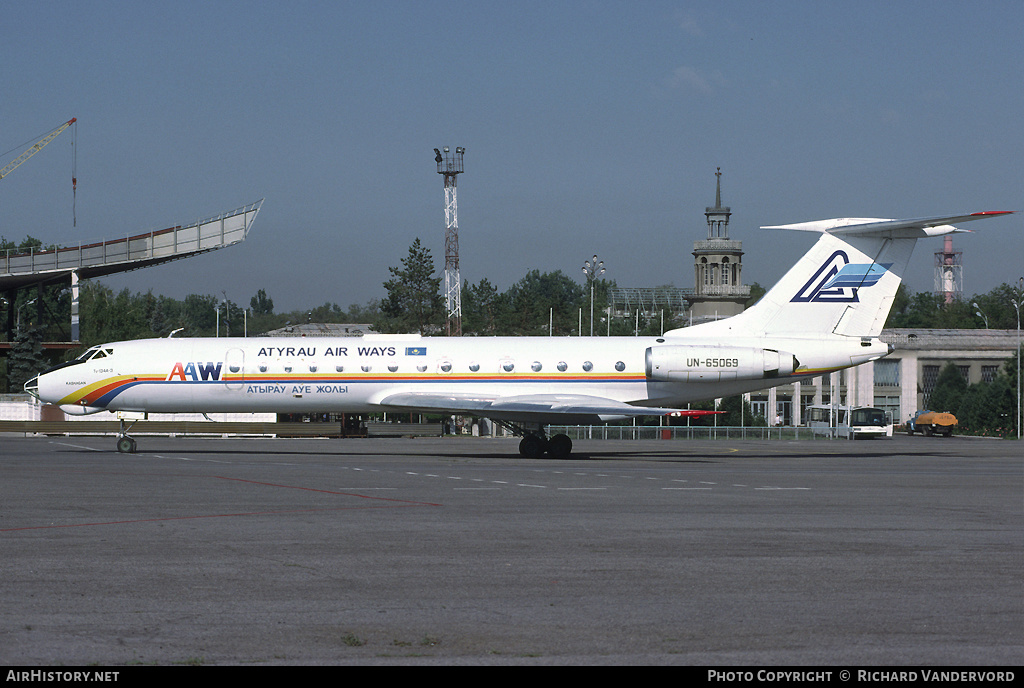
[[354, 374]]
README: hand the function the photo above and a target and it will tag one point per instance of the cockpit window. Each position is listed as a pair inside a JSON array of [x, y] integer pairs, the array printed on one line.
[[96, 352], [88, 353]]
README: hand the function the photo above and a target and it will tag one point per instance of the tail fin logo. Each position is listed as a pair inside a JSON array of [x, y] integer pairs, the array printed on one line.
[[837, 280]]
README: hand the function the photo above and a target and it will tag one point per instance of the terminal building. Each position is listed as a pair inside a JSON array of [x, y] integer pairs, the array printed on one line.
[[900, 383]]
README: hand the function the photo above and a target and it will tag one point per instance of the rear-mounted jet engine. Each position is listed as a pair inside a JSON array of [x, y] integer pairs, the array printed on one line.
[[716, 363]]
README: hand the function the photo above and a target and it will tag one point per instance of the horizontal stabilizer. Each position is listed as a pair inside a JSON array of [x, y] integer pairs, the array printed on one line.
[[846, 284], [920, 227]]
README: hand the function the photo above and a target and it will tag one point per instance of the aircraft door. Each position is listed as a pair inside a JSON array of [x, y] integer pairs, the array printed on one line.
[[234, 368]]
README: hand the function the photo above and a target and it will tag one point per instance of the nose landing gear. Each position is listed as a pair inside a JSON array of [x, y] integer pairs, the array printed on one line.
[[125, 443]]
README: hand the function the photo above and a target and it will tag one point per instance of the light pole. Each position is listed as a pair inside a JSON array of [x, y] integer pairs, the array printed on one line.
[[980, 314], [1016, 306], [18, 329], [592, 269]]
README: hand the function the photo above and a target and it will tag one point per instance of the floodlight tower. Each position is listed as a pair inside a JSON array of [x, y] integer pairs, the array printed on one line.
[[451, 166]]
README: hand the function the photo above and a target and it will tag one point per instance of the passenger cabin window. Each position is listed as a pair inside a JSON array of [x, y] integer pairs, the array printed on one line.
[[508, 366], [536, 366], [588, 366], [474, 366], [562, 366], [620, 366], [446, 366], [339, 369]]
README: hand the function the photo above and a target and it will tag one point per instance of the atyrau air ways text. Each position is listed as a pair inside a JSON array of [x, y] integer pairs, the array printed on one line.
[[272, 351]]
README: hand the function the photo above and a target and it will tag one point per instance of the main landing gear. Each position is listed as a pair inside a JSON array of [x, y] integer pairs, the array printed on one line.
[[534, 446], [535, 443]]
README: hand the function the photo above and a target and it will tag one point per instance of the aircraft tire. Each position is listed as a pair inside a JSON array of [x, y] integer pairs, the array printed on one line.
[[126, 445], [532, 446], [559, 447]]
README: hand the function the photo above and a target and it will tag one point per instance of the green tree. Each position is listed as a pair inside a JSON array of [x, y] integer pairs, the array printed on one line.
[[539, 299], [928, 310], [261, 304], [414, 302], [738, 412], [988, 408], [950, 388], [480, 306], [756, 292], [329, 312], [363, 314], [159, 318], [26, 358], [996, 307], [199, 315]]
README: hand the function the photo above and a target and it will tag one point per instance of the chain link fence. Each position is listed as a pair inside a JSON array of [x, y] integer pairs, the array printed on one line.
[[647, 432]]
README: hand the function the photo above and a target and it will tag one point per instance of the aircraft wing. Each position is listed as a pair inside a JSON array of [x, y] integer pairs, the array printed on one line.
[[527, 407]]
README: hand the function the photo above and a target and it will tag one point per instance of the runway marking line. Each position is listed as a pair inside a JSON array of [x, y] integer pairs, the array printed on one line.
[[332, 492], [392, 504]]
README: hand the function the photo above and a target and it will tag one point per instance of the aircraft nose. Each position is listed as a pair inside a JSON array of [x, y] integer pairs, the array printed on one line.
[[44, 386], [32, 387]]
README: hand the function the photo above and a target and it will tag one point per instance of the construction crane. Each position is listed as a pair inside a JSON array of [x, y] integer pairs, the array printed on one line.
[[36, 148], [39, 145]]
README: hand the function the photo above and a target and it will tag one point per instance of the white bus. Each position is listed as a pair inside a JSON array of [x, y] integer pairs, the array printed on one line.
[[862, 422]]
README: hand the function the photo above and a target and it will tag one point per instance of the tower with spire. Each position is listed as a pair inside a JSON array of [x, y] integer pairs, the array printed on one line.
[[718, 291]]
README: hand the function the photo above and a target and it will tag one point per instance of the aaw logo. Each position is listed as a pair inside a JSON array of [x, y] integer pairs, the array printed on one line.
[[196, 371], [837, 280]]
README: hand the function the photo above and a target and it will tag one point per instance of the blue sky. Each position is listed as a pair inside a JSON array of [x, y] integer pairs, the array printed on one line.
[[589, 127]]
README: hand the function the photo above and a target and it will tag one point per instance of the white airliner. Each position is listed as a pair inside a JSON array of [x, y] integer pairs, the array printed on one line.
[[825, 314]]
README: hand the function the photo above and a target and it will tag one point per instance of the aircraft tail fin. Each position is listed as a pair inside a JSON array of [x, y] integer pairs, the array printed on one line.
[[846, 283]]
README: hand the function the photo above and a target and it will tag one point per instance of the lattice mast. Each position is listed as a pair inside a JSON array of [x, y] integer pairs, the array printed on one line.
[[450, 165]]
